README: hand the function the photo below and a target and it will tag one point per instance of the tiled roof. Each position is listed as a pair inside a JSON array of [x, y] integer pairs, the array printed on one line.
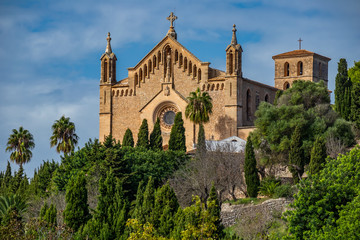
[[298, 53]]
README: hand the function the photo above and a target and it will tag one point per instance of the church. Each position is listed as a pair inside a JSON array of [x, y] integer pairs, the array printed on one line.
[[159, 84]]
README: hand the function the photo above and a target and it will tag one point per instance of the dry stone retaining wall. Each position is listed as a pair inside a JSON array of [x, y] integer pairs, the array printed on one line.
[[231, 213]]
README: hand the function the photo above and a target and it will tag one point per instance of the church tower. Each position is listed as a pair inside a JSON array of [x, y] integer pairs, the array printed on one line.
[[107, 79], [300, 64], [233, 56]]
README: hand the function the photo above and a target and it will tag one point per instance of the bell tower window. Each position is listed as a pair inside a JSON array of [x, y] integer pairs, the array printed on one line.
[[286, 69], [300, 68]]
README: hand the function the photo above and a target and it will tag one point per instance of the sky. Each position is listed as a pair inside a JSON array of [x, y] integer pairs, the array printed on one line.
[[50, 50]]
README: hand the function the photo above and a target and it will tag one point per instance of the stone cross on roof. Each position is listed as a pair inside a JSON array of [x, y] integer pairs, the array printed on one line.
[[171, 18], [300, 43]]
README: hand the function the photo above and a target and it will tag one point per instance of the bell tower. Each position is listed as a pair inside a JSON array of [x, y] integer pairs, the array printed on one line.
[[107, 79], [233, 56]]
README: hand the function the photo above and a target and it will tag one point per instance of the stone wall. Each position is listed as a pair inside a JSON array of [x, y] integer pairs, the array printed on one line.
[[230, 214]]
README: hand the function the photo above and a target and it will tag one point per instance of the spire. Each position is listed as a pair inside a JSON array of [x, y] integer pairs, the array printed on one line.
[[108, 47], [234, 40], [171, 31]]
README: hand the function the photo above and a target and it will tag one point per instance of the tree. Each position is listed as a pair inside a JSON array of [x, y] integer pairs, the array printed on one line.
[[201, 145], [318, 155], [128, 140], [251, 173], [305, 104], [63, 136], [156, 141], [342, 90], [20, 144], [76, 212], [354, 74], [177, 134], [199, 108], [296, 158], [325, 201], [143, 136]]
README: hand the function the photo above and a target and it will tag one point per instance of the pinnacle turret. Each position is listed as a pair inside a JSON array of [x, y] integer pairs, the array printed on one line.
[[233, 39], [108, 47]]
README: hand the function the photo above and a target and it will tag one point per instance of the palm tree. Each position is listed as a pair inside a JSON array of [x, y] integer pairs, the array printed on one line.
[[199, 108], [20, 142], [64, 136]]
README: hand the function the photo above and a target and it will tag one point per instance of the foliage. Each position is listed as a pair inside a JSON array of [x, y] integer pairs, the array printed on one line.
[[251, 174], [142, 231], [342, 90], [63, 136], [10, 204], [354, 74], [325, 199], [307, 105], [41, 181], [143, 136], [318, 156], [76, 212], [199, 108], [177, 135], [156, 141], [48, 215], [201, 144], [268, 186], [20, 144], [296, 155], [128, 139], [284, 190]]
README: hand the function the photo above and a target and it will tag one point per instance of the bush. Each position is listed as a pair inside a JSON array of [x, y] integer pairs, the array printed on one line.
[[286, 191], [268, 186]]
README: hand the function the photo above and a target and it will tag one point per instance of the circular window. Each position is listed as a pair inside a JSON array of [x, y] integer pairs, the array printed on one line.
[[169, 117]]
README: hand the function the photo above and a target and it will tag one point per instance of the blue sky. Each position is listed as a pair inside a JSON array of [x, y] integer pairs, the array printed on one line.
[[50, 50]]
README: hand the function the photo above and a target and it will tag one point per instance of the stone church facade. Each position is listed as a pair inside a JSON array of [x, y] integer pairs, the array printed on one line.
[[158, 85]]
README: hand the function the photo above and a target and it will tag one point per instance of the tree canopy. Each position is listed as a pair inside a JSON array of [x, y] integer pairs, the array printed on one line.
[[20, 143], [63, 136]]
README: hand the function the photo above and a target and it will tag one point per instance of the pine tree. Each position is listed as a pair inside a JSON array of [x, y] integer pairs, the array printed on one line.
[[128, 140], [201, 144], [296, 155], [156, 141], [341, 83], [177, 134], [76, 212], [143, 136], [251, 173], [318, 155]]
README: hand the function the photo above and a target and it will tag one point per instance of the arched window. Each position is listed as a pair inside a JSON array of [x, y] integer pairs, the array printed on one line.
[[159, 58], [150, 66], [136, 79], [230, 62], [154, 60], [300, 68], [195, 71], [145, 71], [199, 74], [105, 71], [222, 86], [266, 98], [130, 92], [181, 60], [140, 75], [190, 67], [286, 69], [185, 64], [176, 56], [257, 100], [286, 85], [117, 93], [203, 87], [122, 93], [217, 87], [248, 105], [320, 70], [212, 87], [126, 92]]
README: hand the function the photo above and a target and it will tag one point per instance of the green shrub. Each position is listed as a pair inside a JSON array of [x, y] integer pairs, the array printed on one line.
[[285, 190], [268, 186]]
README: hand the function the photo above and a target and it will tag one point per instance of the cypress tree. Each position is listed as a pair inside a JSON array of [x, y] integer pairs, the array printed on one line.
[[109, 141], [214, 209], [76, 212], [354, 74], [318, 155], [128, 140], [296, 155], [177, 134], [148, 202], [251, 173], [143, 136], [201, 144], [50, 215], [340, 86], [137, 213], [7, 176], [43, 210], [156, 141]]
